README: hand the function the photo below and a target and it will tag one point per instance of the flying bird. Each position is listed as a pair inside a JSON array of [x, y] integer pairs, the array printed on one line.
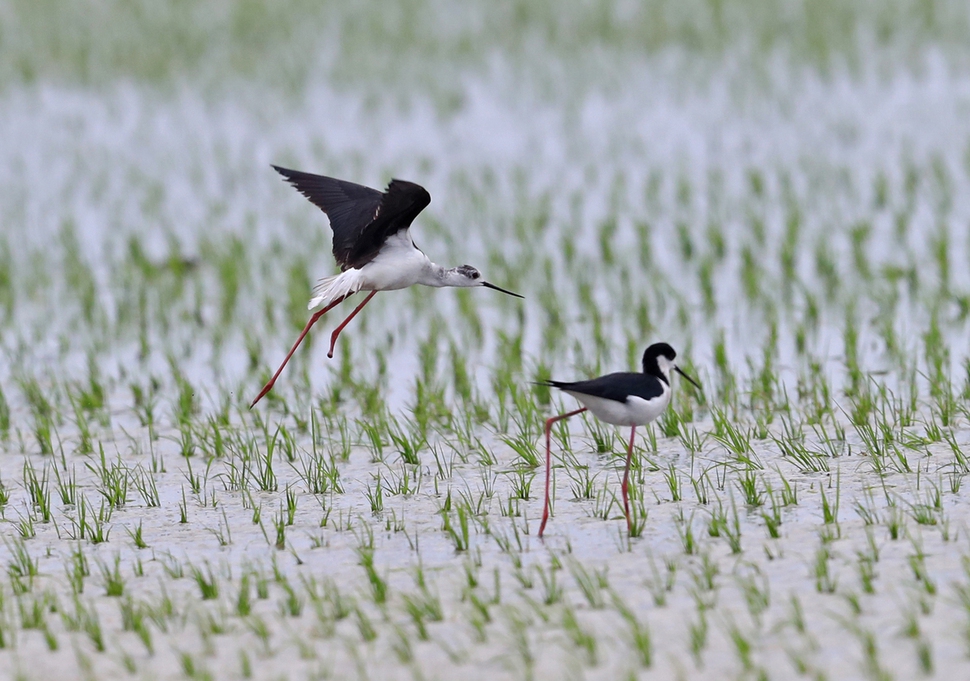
[[372, 244], [621, 399]]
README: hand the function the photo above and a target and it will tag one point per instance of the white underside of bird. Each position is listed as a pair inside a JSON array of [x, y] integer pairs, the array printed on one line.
[[399, 264], [636, 411]]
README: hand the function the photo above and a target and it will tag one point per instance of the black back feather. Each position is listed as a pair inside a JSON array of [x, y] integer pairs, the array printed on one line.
[[361, 218], [615, 387]]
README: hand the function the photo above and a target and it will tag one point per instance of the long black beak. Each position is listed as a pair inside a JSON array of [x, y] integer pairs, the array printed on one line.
[[493, 286], [692, 381]]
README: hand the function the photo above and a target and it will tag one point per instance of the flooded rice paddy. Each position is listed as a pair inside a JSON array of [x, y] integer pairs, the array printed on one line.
[[792, 215]]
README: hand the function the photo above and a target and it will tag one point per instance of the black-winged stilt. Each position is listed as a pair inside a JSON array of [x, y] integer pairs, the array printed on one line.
[[373, 246], [621, 399]]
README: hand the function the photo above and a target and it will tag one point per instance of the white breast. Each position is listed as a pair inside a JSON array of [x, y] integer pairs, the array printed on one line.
[[398, 265], [636, 411]]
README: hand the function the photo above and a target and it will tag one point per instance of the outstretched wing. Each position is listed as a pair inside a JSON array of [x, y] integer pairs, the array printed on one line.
[[361, 218], [614, 387]]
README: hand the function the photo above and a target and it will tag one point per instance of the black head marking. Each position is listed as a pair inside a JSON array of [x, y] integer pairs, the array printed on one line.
[[468, 271], [651, 354]]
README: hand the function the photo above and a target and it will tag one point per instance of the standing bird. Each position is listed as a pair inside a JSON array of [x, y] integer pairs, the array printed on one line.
[[621, 399], [373, 246]]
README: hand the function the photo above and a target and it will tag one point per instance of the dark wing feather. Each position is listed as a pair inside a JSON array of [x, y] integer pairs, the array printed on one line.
[[615, 386], [361, 218], [400, 204]]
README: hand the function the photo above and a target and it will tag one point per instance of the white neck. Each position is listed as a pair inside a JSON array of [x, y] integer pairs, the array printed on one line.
[[432, 275]]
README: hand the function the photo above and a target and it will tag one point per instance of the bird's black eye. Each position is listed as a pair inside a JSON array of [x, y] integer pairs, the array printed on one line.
[[476, 275]]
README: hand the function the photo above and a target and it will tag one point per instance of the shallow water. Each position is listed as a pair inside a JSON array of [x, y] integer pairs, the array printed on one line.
[[789, 227]]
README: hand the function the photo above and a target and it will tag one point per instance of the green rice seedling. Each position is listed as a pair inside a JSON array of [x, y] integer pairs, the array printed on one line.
[[661, 585], [244, 601], [4, 499], [924, 654], [754, 496], [755, 586], [910, 627], [364, 625], [25, 528], [279, 524], [145, 402], [38, 491], [520, 484], [638, 516], [582, 484], [136, 536], [854, 603], [207, 582], [320, 475], [183, 509], [423, 606], [670, 423], [22, 568], [896, 522], [291, 502], [685, 528], [265, 476], [580, 638], [830, 510], [33, 611], [591, 583], [402, 647], [640, 637], [134, 618], [673, 483], [870, 653], [85, 619], [866, 510], [173, 568], [698, 637], [66, 486], [77, 569], [519, 634], [114, 583], [407, 444], [375, 495], [923, 514], [733, 439], [193, 670], [789, 492], [700, 485], [457, 532], [825, 582], [917, 563], [552, 592], [732, 529], [222, 533], [378, 585], [4, 417], [408, 483], [603, 437], [718, 521], [527, 453], [147, 488], [113, 479], [798, 453], [772, 516], [258, 627], [291, 605], [743, 646]]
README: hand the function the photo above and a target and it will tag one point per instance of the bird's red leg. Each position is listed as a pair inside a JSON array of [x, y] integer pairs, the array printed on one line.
[[626, 481], [549, 422], [336, 332], [306, 329]]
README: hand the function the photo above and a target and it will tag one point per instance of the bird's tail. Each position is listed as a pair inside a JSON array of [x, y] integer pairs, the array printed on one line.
[[334, 288]]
